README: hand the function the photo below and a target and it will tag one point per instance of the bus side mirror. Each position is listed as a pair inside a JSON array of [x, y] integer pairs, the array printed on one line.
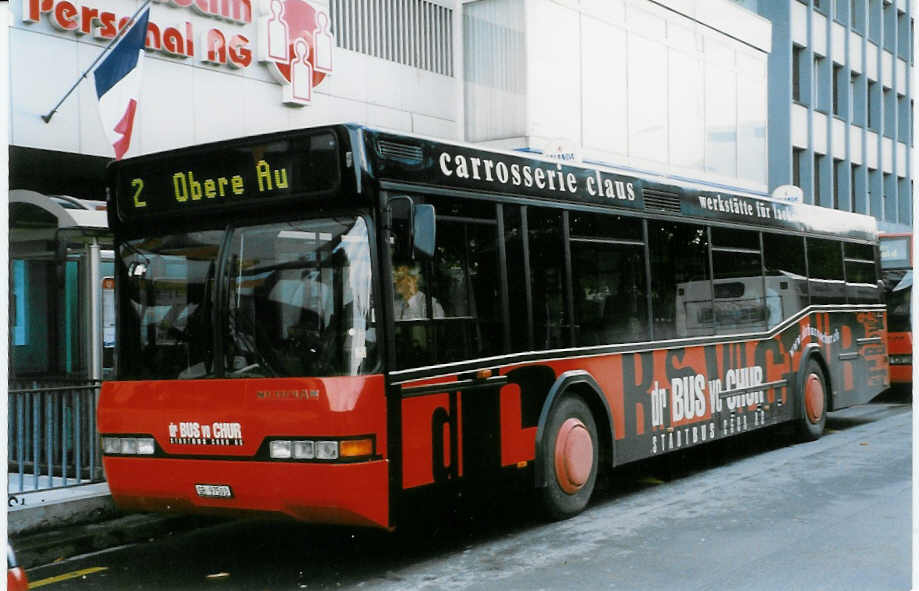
[[424, 229]]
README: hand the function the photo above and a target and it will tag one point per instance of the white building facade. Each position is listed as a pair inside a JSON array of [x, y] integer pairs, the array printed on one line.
[[667, 88], [673, 88], [841, 104]]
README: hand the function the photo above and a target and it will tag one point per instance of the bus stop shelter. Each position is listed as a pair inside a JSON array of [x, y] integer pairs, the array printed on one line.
[[61, 304]]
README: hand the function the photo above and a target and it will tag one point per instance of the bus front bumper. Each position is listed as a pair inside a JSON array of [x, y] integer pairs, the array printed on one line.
[[342, 494]]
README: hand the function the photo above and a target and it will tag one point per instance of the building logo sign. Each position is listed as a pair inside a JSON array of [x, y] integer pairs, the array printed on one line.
[[212, 44], [295, 41], [293, 38]]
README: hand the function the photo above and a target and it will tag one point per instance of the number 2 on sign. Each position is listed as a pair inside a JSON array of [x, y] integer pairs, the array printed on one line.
[[138, 185]]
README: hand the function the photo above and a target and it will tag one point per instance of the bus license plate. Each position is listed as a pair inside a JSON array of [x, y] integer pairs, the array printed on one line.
[[220, 491]]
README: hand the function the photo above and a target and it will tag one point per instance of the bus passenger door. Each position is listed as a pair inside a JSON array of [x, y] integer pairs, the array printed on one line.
[[447, 309]]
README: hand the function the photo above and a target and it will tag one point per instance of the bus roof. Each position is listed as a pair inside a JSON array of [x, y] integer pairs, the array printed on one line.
[[412, 159], [407, 161]]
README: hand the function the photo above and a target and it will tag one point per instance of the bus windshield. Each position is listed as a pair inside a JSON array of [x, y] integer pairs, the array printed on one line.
[[898, 306], [290, 299]]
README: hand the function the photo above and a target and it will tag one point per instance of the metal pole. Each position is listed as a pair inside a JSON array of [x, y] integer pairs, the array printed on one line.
[[35, 403], [121, 32], [77, 434], [49, 436], [94, 315], [64, 438], [92, 436], [20, 442]]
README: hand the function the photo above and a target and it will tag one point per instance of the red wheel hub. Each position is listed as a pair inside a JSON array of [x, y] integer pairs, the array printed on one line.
[[574, 456], [814, 398]]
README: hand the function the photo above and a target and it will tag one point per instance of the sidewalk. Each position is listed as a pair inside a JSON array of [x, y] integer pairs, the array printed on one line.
[[44, 509], [49, 525]]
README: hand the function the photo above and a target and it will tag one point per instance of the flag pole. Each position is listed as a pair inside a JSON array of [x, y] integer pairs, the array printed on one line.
[[121, 32]]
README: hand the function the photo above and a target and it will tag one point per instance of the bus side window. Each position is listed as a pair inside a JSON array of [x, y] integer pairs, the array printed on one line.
[[825, 273], [608, 276], [786, 276], [448, 308], [739, 305], [680, 288], [520, 303], [547, 279], [861, 274], [465, 278]]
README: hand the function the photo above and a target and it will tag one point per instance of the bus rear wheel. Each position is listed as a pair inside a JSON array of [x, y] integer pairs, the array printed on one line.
[[570, 458], [812, 402]]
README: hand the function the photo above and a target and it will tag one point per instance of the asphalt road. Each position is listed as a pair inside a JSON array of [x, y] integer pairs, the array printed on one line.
[[755, 512]]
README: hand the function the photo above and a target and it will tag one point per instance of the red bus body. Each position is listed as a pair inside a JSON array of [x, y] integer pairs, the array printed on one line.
[[440, 428], [900, 346], [218, 445], [348, 493], [896, 262]]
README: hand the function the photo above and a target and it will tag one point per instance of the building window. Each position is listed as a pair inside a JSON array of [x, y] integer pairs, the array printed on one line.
[[874, 109], [874, 191], [797, 62], [889, 113], [818, 186], [853, 176], [903, 120], [887, 207], [903, 36], [874, 20], [890, 27], [820, 85], [856, 7], [837, 90], [839, 170], [903, 202], [857, 102], [839, 11], [796, 156], [416, 33]]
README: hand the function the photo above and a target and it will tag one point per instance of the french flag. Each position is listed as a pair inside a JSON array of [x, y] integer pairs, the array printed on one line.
[[117, 80]]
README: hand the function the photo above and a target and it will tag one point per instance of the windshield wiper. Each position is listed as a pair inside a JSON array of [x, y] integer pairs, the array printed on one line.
[[134, 250], [234, 320]]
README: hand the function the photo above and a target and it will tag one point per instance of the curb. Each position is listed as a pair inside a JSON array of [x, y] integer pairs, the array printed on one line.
[[45, 547], [42, 510]]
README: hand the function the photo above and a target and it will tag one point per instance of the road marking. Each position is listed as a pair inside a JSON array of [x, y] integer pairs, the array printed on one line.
[[650, 480], [66, 576]]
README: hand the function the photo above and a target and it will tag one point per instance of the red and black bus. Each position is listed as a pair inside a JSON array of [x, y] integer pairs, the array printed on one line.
[[897, 273], [321, 323]]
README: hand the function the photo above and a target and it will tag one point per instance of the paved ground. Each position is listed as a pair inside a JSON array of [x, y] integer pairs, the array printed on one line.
[[753, 513]]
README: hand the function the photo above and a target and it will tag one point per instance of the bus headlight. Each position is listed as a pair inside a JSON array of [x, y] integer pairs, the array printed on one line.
[[145, 446], [327, 449], [279, 449], [901, 359], [111, 445], [128, 446], [304, 450]]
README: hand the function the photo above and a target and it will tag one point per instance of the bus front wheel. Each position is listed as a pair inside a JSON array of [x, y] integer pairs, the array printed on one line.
[[812, 402], [570, 458]]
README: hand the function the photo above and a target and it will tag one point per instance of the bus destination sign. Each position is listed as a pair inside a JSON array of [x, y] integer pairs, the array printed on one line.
[[237, 176]]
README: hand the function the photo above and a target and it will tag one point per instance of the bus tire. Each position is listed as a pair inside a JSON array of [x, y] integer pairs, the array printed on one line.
[[570, 458], [812, 402]]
